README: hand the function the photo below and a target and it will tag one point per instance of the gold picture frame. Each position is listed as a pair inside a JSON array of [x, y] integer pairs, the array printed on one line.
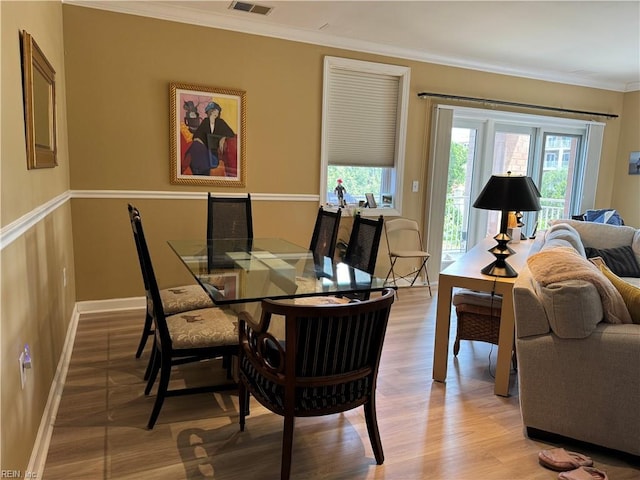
[[200, 154], [39, 92]]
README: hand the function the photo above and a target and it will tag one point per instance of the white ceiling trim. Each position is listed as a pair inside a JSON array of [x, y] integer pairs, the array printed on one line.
[[213, 20]]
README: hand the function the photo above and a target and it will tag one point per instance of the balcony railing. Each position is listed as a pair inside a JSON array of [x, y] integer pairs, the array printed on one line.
[[454, 240]]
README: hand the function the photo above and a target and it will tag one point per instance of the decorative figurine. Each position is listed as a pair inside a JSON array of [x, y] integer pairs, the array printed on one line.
[[340, 191]]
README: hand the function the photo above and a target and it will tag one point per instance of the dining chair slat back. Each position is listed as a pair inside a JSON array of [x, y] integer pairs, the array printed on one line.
[[325, 234], [364, 241], [229, 217]]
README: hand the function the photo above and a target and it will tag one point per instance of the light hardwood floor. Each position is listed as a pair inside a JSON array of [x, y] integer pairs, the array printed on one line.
[[457, 430]]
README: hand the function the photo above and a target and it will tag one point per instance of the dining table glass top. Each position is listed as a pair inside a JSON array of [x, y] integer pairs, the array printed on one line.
[[249, 270]]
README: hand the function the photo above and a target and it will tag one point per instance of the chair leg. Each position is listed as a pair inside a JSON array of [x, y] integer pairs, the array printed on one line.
[[165, 373], [146, 331], [242, 403], [152, 357], [372, 428], [287, 447], [426, 274], [393, 275], [155, 366], [428, 282]]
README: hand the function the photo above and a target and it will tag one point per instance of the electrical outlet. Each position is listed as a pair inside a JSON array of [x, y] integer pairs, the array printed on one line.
[[416, 185], [23, 372]]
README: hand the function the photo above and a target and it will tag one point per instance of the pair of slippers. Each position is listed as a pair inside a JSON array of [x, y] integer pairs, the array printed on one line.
[[572, 465]]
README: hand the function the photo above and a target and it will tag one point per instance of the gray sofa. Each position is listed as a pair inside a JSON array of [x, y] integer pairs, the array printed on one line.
[[579, 377]]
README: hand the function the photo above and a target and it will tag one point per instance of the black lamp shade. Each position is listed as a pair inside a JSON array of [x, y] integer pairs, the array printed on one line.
[[509, 193]]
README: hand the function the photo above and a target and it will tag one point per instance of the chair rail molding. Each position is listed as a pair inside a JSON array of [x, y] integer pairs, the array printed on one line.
[[14, 230]]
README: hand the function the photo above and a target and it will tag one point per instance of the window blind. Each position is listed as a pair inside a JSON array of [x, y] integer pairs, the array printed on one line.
[[362, 118]]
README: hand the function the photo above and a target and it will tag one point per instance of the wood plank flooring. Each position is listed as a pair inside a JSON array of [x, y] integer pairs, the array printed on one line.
[[457, 430]]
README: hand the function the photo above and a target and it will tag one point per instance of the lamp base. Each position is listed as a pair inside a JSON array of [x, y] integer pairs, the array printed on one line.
[[500, 267]]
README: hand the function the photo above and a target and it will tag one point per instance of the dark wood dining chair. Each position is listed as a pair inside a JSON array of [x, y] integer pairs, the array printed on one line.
[[362, 250], [186, 337], [327, 364], [181, 298], [325, 234], [229, 217]]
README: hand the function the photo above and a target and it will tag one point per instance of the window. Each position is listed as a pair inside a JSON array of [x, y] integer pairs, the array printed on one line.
[[471, 144], [364, 116], [550, 160]]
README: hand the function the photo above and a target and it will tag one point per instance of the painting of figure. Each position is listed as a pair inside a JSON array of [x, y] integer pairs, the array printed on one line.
[[208, 135]]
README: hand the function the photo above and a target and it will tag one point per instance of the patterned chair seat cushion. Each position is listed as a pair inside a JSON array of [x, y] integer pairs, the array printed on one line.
[[184, 298], [206, 327]]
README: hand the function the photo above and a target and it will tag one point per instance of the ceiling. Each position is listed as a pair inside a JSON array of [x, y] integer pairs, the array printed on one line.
[[587, 43]]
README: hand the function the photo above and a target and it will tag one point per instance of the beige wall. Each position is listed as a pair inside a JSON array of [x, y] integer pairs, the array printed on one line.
[[36, 307], [116, 100], [626, 192]]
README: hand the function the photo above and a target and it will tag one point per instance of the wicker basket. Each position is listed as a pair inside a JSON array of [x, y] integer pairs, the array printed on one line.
[[477, 322]]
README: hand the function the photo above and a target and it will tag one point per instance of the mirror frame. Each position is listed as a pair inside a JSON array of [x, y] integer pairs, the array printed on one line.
[[34, 61]]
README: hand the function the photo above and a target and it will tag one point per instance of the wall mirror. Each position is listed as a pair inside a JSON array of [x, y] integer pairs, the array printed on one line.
[[39, 91]]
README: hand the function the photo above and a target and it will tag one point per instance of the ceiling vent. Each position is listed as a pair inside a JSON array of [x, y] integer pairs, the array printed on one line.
[[250, 7]]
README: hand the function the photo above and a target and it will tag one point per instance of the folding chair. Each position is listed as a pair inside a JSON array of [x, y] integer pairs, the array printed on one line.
[[408, 231]]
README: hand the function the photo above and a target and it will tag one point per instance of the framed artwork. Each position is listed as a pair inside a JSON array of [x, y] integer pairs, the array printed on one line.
[[208, 135], [634, 163], [39, 95], [371, 200]]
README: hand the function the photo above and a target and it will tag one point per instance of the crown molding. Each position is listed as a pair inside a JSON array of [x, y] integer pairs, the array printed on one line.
[[233, 23]]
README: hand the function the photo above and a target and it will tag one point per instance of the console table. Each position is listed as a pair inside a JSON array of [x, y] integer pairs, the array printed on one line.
[[465, 273]]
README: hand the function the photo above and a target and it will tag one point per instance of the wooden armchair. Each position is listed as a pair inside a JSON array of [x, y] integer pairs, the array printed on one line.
[[327, 364]]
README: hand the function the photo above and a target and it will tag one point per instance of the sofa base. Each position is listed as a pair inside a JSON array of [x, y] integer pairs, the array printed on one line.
[[578, 445]]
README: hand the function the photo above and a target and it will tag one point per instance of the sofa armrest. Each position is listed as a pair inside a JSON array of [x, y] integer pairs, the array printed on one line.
[[530, 317]]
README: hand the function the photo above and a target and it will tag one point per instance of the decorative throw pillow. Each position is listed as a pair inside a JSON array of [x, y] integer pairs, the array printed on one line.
[[629, 293], [620, 260]]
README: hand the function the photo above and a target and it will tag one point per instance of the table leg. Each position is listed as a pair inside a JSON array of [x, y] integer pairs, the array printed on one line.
[[443, 321], [505, 345]]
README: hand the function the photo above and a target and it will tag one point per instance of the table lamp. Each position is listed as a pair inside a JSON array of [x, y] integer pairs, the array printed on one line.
[[506, 193]]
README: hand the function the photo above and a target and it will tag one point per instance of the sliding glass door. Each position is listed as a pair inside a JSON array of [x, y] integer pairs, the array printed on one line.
[[552, 151]]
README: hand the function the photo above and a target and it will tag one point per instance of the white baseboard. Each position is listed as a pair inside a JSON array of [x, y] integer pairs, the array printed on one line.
[[41, 445], [111, 305]]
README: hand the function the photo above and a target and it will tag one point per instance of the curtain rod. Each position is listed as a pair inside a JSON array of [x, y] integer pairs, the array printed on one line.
[[513, 104]]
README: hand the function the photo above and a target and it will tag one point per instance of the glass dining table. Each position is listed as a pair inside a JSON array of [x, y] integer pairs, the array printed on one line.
[[234, 271]]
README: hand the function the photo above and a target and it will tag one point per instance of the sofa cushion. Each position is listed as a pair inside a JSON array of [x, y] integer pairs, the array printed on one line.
[[629, 293], [564, 263], [635, 245], [601, 235], [562, 234], [620, 260]]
